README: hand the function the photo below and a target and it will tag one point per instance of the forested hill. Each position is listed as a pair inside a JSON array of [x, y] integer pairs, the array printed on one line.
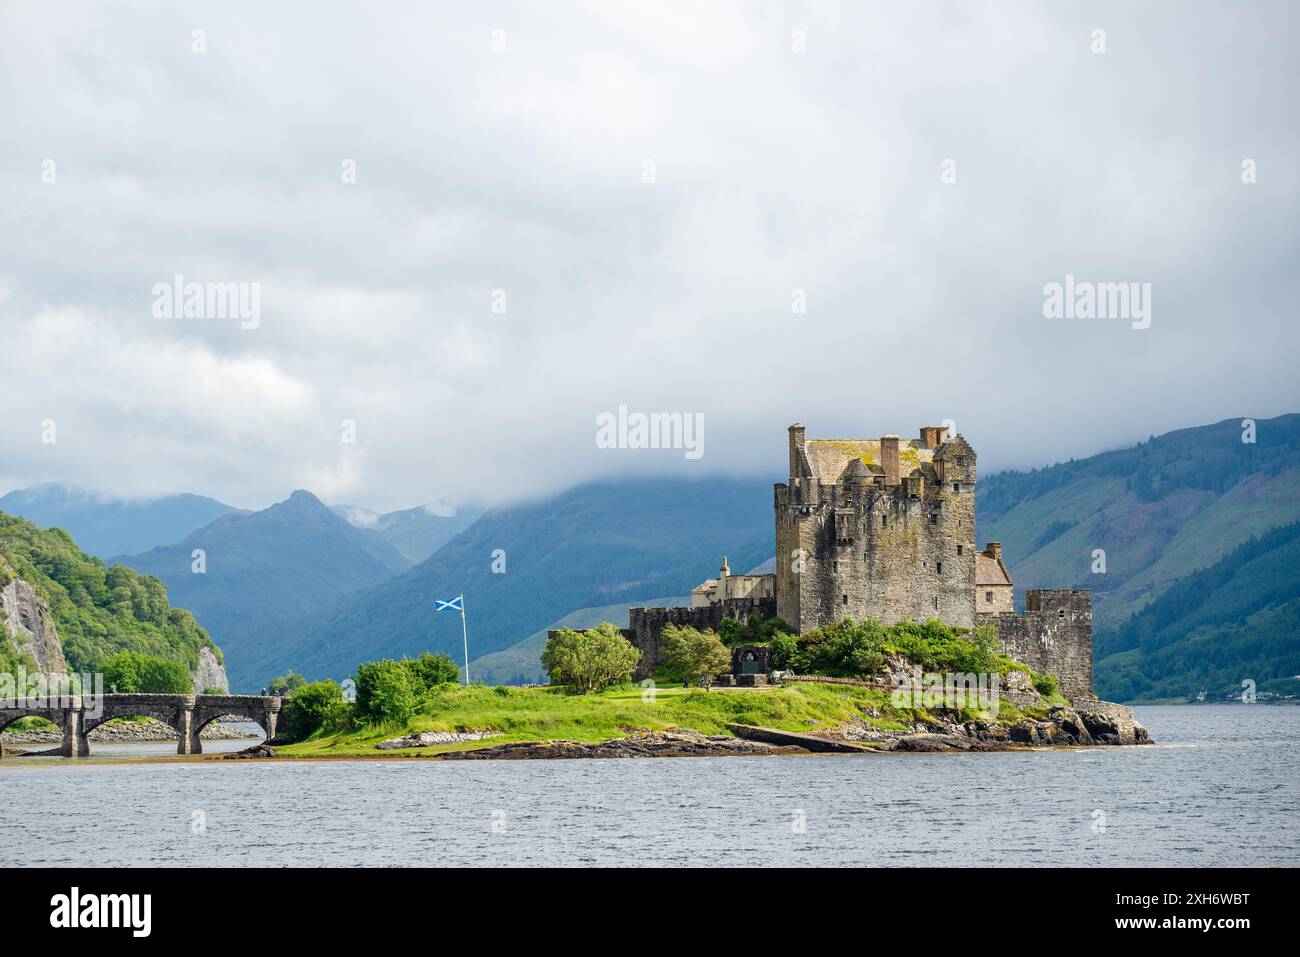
[[1237, 620], [1159, 511], [98, 610]]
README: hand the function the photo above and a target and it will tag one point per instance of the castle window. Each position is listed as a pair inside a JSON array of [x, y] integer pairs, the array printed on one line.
[[960, 460], [958, 549], [844, 599], [934, 518], [835, 568], [956, 486], [936, 602], [938, 568], [1061, 613], [988, 597], [884, 521]]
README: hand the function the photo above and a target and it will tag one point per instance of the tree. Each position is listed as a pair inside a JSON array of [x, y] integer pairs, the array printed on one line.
[[287, 682], [589, 660], [387, 690], [435, 670], [694, 656], [133, 673], [315, 706]]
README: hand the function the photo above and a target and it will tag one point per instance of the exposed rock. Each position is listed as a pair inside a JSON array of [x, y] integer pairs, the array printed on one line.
[[639, 744], [424, 739], [210, 673], [1109, 723], [29, 624], [256, 751], [1020, 682]]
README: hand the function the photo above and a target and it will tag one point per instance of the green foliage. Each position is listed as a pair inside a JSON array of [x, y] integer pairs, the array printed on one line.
[[387, 690], [693, 656], [392, 691], [1046, 685], [98, 610], [133, 673], [591, 660], [319, 705], [290, 681], [856, 649], [845, 649], [434, 670], [753, 631], [785, 648]]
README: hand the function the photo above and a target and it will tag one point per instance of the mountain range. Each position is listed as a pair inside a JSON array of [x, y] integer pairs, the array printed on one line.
[[106, 526]]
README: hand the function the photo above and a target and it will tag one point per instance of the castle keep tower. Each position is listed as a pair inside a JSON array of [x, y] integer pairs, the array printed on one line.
[[877, 528]]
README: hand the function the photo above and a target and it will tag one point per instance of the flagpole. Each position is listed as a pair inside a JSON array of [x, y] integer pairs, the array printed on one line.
[[465, 635]]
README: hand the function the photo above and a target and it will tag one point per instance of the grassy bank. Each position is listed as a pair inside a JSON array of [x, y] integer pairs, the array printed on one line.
[[534, 714]]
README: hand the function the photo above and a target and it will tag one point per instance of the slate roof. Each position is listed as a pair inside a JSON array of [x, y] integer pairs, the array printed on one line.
[[989, 571]]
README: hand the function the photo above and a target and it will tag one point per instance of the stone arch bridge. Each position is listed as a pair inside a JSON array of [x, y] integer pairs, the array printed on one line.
[[186, 714]]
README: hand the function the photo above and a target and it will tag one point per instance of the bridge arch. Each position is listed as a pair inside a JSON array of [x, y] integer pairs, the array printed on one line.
[[9, 715]]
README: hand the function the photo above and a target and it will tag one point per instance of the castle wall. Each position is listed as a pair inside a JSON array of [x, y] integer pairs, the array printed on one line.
[[1052, 636], [646, 625]]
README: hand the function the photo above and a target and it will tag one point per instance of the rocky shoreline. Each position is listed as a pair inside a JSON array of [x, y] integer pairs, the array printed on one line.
[[1078, 726], [676, 743]]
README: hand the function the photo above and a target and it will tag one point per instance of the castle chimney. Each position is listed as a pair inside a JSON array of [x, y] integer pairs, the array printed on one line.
[[796, 449], [993, 550], [889, 458], [724, 576], [927, 436]]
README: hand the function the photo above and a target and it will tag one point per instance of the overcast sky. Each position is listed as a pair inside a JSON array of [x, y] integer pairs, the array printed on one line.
[[504, 146]]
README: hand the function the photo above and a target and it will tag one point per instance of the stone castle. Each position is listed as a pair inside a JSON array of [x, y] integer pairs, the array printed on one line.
[[885, 528]]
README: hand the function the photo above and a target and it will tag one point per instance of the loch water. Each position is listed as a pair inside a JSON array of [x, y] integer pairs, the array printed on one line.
[[1221, 786]]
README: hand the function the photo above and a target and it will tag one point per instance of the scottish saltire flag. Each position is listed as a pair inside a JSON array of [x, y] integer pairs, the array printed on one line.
[[454, 604]]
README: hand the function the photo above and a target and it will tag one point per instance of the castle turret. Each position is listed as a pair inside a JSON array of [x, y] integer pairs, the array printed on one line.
[[796, 449]]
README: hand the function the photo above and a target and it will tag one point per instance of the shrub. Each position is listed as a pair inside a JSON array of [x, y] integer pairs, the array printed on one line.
[[387, 690], [434, 670], [692, 656], [316, 706], [589, 660], [133, 673], [785, 648], [753, 631], [1046, 685]]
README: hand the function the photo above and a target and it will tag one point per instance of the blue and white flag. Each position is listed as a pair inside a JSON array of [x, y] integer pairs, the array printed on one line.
[[454, 604]]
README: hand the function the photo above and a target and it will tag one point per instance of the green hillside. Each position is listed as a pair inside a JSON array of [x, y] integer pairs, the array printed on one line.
[[1160, 511], [1238, 619], [97, 609]]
